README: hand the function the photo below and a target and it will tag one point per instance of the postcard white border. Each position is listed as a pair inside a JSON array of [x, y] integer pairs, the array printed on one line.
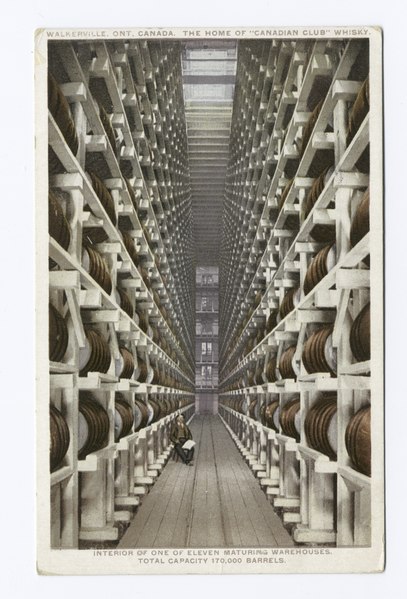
[[298, 560], [19, 553]]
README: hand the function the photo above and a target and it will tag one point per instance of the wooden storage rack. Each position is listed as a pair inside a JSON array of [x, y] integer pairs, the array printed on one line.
[[263, 256], [140, 85]]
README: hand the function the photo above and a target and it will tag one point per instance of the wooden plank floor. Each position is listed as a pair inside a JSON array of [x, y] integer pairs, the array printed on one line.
[[216, 503]]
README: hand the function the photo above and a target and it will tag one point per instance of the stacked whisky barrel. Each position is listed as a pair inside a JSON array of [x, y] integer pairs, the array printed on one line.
[[296, 236]]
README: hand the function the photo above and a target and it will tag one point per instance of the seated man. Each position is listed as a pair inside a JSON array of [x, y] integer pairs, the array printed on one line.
[[178, 435]]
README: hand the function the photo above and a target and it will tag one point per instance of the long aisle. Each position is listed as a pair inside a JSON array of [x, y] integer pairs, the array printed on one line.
[[215, 503]]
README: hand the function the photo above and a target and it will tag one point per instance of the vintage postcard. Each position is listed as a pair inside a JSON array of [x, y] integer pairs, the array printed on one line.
[[209, 300]]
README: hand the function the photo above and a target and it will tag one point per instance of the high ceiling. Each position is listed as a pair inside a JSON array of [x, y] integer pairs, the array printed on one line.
[[209, 76]]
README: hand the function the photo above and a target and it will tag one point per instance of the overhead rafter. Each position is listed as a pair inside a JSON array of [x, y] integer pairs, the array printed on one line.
[[208, 77]]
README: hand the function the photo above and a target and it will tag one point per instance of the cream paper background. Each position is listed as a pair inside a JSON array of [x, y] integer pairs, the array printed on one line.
[[18, 548]]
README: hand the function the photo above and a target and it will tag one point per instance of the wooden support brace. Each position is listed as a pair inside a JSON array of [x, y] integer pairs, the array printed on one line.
[[100, 67], [303, 182], [67, 181], [302, 534], [325, 467], [357, 368], [109, 248], [119, 58], [114, 183], [118, 121], [61, 475], [301, 118], [300, 342], [74, 92], [351, 180], [347, 278], [287, 335], [95, 316], [325, 298], [345, 90], [91, 220], [143, 480], [287, 502], [96, 143], [355, 382], [90, 298], [64, 279], [315, 316], [272, 490], [321, 64], [355, 481], [131, 100], [62, 381], [323, 141], [127, 153], [109, 533], [323, 216], [95, 381], [283, 233], [310, 247], [355, 148], [290, 151], [75, 312], [291, 517], [122, 516]]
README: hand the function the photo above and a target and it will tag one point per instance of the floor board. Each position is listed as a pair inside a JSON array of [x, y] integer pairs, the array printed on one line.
[[215, 503]]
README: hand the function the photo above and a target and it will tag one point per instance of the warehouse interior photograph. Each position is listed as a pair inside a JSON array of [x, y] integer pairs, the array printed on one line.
[[209, 280]]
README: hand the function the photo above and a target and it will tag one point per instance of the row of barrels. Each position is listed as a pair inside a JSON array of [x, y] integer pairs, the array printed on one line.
[[60, 110], [94, 426], [91, 356], [95, 264], [58, 335], [97, 173], [318, 268], [322, 164], [265, 372], [137, 257], [150, 277], [325, 259], [318, 355], [95, 356], [59, 438], [320, 426], [264, 327], [96, 235], [101, 95], [320, 265], [58, 225], [322, 169], [356, 115]]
